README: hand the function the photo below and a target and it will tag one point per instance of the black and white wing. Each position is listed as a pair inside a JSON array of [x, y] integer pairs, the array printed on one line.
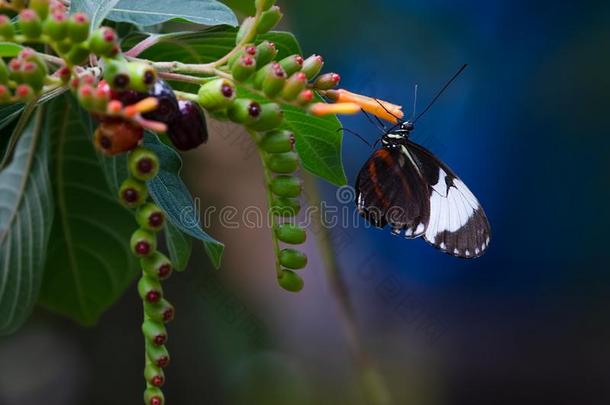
[[390, 190], [458, 225]]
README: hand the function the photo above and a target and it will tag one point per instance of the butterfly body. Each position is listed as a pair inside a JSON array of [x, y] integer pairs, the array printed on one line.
[[405, 186]]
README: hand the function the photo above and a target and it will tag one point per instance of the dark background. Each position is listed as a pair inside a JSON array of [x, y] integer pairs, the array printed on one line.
[[526, 127]]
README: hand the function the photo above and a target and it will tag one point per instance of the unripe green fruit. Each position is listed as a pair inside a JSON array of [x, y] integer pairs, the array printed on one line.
[[150, 289], [102, 41], [5, 94], [279, 141], [154, 375], [291, 64], [132, 193], [247, 50], [158, 355], [161, 311], [294, 86], [268, 20], [154, 332], [290, 233], [216, 95], [283, 163], [41, 7], [150, 217], [116, 74], [327, 81], [154, 396], [30, 23], [293, 259], [286, 186], [86, 97], [285, 207], [266, 52], [143, 164], [244, 28], [312, 66], [78, 55], [157, 265], [244, 111], [264, 4], [14, 68], [243, 68], [64, 46], [6, 28], [56, 27], [143, 243], [78, 28], [34, 76], [141, 75], [290, 281], [273, 80], [271, 117]]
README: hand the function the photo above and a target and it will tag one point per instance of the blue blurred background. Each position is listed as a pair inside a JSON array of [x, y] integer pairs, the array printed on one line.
[[526, 127]]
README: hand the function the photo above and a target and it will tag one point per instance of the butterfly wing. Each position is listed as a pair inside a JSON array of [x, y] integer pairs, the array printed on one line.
[[458, 225], [390, 190]]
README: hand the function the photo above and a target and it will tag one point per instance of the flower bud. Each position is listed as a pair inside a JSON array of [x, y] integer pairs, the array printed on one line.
[[273, 80], [153, 396], [31, 74], [78, 28], [41, 7], [305, 97], [117, 136], [294, 86], [290, 233], [264, 4], [327, 81], [102, 41], [244, 111], [150, 289], [86, 97], [243, 68], [56, 26], [277, 142], [24, 93], [143, 243], [132, 193], [268, 20], [14, 68], [77, 55], [158, 355], [30, 23], [154, 332], [271, 117], [116, 74], [6, 28], [161, 311], [266, 52], [157, 265], [142, 76], [217, 94], [244, 28], [154, 375], [312, 66], [285, 207], [143, 164], [284, 163], [290, 281], [286, 186], [5, 94], [189, 130], [101, 98], [150, 217], [293, 259], [292, 64]]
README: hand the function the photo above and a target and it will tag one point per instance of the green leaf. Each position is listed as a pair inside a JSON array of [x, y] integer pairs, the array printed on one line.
[[179, 245], [26, 214], [245, 7], [151, 12], [9, 49], [96, 10], [89, 263]]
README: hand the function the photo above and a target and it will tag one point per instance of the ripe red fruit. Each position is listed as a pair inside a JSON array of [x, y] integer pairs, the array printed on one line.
[[115, 136], [189, 129]]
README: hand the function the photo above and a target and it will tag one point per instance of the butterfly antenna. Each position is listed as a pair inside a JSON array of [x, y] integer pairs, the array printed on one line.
[[388, 111], [441, 91], [356, 134], [379, 124], [414, 102]]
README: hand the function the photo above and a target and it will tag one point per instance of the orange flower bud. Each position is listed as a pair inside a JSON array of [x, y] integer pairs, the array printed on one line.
[[382, 109], [336, 108]]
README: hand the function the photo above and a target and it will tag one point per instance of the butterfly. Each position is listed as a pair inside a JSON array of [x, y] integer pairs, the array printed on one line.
[[405, 186]]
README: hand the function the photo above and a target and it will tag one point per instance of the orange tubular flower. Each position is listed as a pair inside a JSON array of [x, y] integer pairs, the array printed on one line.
[[335, 108], [382, 109]]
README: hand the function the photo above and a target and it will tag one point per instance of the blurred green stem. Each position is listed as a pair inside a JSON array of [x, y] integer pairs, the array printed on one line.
[[372, 382]]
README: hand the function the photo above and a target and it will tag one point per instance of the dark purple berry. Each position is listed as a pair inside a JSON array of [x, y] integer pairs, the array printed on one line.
[[254, 109], [189, 129], [168, 108], [227, 91], [156, 220]]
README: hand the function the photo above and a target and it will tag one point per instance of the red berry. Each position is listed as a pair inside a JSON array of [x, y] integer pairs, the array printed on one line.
[[251, 50]]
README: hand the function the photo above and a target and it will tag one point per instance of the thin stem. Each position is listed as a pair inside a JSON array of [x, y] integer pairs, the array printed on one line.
[[177, 77], [142, 46], [372, 381]]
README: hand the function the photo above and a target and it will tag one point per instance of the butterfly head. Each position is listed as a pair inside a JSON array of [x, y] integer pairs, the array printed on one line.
[[398, 135]]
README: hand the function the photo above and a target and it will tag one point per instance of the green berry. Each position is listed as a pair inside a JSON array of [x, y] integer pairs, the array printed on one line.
[[78, 28], [143, 243], [77, 55], [154, 332], [41, 7], [273, 80], [64, 46], [154, 375], [243, 68], [132, 193], [294, 86], [143, 164], [283, 163], [312, 66], [286, 186], [266, 52], [293, 259], [245, 111], [158, 355], [290, 281], [150, 217], [154, 396], [290, 233], [116, 74], [161, 311], [24, 93], [269, 19], [56, 26], [141, 75], [34, 76], [327, 81], [285, 207], [270, 117], [278, 141], [292, 64], [103, 41], [6, 28], [157, 265], [150, 289], [30, 23], [216, 95], [264, 4]]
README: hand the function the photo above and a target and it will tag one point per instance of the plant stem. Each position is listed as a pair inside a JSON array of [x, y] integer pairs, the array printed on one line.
[[373, 384]]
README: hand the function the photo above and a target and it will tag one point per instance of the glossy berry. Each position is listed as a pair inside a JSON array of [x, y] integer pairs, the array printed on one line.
[[290, 233], [189, 129], [293, 259], [143, 243], [157, 265], [143, 164], [290, 281], [150, 217], [116, 136], [168, 108], [132, 193]]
